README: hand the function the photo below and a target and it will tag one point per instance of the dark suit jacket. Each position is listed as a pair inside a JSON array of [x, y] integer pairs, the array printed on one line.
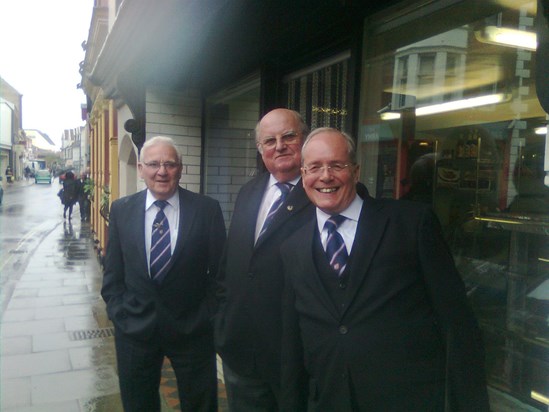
[[405, 318], [248, 325], [184, 303]]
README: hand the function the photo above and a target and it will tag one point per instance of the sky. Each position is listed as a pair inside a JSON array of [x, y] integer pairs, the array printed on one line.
[[40, 52]]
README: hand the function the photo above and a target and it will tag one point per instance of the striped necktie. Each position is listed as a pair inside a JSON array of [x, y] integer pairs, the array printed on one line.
[[335, 246], [285, 189], [160, 243]]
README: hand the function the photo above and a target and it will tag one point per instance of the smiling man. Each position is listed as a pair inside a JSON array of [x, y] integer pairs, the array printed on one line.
[[375, 316], [162, 256]]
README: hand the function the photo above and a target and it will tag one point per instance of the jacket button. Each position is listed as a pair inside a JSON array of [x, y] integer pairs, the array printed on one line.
[[343, 330], [342, 285], [250, 275]]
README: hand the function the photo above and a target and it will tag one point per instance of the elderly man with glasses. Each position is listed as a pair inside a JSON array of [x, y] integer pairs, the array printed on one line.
[[162, 256], [268, 209]]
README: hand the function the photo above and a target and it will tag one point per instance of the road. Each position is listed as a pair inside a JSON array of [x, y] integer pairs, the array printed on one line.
[[27, 214]]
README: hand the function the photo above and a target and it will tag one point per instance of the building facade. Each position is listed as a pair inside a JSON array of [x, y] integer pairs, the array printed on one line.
[[12, 140], [74, 150], [447, 100]]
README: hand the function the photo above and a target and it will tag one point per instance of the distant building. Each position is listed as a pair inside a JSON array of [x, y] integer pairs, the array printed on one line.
[[74, 149], [12, 140]]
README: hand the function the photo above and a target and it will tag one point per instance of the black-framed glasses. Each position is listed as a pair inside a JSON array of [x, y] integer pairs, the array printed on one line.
[[169, 166], [270, 142], [318, 169]]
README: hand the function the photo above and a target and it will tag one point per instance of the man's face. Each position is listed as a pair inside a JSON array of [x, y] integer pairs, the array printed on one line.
[[161, 181], [329, 177], [279, 142]]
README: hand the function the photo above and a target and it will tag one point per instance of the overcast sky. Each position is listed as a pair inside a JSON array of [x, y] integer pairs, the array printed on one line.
[[40, 50]]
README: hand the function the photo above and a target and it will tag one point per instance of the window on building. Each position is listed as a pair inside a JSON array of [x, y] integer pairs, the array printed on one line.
[[319, 93], [230, 151], [449, 116]]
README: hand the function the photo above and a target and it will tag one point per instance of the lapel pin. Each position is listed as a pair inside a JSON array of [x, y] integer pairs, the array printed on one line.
[[290, 208]]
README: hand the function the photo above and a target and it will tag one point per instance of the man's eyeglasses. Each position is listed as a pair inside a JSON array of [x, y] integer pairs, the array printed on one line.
[[317, 169], [169, 166], [288, 138]]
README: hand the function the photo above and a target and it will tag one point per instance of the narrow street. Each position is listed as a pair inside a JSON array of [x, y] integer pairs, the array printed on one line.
[[57, 349]]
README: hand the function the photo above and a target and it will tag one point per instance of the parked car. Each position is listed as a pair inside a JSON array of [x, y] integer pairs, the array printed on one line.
[[42, 176]]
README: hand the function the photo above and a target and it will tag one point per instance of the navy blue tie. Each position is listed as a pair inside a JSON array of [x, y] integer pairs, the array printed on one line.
[[335, 246], [285, 189], [160, 243]]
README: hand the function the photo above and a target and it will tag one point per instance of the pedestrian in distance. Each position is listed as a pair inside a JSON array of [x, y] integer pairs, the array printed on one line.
[[162, 256], [83, 198], [375, 313], [9, 174], [71, 190], [248, 325]]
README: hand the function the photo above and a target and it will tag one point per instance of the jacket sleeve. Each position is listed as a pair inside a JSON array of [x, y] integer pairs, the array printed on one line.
[[217, 239], [113, 276], [466, 380]]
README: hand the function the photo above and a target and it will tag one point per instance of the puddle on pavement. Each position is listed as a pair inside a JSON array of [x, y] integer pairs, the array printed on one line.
[[15, 210], [74, 244]]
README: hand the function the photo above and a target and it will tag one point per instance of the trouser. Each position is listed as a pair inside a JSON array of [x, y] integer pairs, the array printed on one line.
[[140, 366], [249, 393]]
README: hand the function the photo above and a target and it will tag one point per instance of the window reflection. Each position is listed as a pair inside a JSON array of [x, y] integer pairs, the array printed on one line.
[[450, 119]]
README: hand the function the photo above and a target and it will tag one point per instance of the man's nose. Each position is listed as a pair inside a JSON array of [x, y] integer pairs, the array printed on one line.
[[280, 144], [325, 173], [162, 169]]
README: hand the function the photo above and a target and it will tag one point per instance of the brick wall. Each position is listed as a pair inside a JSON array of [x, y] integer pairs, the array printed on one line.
[[179, 116], [230, 149]]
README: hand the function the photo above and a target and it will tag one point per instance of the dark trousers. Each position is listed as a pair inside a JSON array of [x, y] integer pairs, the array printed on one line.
[[249, 393], [68, 206], [140, 366], [84, 208]]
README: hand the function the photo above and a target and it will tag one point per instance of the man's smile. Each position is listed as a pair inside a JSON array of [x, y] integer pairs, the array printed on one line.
[[328, 189]]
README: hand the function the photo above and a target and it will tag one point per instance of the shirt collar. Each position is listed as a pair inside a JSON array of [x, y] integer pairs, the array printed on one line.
[[172, 201], [352, 212], [273, 181]]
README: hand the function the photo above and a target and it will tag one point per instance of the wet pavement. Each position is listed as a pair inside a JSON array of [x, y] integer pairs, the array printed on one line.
[[57, 350]]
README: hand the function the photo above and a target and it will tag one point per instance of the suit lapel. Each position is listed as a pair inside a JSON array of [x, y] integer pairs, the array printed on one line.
[[187, 212], [137, 212], [371, 226], [250, 208]]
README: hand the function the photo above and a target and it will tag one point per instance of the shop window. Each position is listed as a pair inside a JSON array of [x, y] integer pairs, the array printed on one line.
[[230, 151], [319, 93], [449, 116]]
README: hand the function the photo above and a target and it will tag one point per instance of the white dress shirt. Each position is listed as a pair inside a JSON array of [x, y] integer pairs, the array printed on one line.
[[269, 197]]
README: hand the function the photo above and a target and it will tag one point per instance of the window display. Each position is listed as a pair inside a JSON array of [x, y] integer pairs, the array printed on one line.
[[450, 116]]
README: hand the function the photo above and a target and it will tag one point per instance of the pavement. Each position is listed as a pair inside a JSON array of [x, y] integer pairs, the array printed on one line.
[[57, 349]]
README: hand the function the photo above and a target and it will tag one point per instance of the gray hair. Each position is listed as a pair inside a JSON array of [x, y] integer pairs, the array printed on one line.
[[351, 147], [159, 140]]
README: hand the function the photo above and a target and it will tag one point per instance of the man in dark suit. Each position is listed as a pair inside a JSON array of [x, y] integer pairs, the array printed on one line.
[[162, 256], [248, 325], [375, 313]]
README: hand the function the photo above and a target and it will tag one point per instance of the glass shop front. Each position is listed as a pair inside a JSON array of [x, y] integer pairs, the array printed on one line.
[[449, 116]]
